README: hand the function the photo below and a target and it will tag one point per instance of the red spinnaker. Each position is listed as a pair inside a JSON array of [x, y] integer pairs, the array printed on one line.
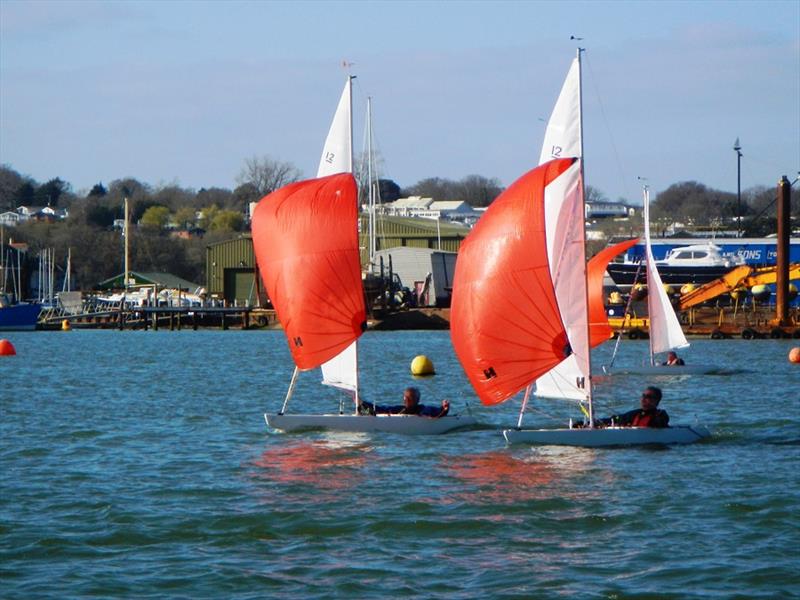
[[599, 329], [504, 320], [306, 244]]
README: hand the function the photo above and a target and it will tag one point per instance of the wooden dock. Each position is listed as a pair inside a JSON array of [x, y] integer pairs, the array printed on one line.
[[171, 318]]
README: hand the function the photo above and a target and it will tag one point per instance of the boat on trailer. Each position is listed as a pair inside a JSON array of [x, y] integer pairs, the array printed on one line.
[[305, 237], [520, 304]]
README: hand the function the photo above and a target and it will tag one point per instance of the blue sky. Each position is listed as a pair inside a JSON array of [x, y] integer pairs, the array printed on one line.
[[184, 92]]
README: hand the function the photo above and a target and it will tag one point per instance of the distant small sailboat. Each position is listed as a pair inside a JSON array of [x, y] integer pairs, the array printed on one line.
[[520, 303], [305, 237], [665, 331]]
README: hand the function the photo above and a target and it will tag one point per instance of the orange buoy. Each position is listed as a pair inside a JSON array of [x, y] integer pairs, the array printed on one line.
[[794, 356], [7, 348]]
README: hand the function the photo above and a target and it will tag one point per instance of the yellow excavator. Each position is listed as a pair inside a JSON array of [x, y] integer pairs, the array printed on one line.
[[740, 277]]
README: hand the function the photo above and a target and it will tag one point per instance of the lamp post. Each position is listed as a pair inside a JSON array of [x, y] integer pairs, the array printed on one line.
[[738, 148]]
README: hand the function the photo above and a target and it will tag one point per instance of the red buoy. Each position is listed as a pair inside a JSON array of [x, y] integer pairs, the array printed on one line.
[[794, 355], [7, 348]]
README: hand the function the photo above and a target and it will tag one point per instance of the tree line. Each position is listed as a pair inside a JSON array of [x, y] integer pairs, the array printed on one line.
[[216, 214]]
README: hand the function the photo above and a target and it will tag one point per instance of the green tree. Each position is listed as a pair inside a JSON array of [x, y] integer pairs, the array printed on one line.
[[156, 217], [50, 192], [97, 191], [10, 182], [227, 220], [185, 217], [23, 196], [207, 215]]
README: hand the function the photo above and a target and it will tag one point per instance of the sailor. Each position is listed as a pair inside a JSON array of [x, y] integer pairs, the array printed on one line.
[[673, 360], [649, 415], [410, 406]]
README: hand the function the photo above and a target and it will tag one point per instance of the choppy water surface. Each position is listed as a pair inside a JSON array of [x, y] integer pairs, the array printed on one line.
[[138, 464]]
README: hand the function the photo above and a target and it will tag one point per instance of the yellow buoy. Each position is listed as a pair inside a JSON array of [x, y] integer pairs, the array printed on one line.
[[792, 292], [639, 292], [794, 355], [65, 326], [760, 292], [422, 365], [739, 292], [687, 288], [668, 289]]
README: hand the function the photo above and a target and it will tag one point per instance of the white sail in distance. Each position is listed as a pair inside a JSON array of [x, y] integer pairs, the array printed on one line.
[[665, 330]]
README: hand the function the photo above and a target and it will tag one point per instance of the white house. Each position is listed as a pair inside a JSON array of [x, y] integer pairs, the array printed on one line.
[[428, 208], [406, 207], [10, 218]]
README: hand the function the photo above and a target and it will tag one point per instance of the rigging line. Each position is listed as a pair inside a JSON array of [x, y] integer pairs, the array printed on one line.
[[625, 316], [623, 178]]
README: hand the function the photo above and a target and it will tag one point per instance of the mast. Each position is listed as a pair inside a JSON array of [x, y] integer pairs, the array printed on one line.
[[127, 237], [350, 78], [589, 393], [650, 304], [370, 185]]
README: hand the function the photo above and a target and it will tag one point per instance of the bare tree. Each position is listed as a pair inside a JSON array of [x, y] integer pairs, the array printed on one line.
[[267, 174]]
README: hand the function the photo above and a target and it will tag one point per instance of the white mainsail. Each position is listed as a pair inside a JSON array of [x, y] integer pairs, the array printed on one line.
[[337, 157], [564, 212], [665, 330], [337, 153]]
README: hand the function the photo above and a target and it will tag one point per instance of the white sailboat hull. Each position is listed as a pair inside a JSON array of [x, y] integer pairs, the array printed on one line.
[[608, 436], [403, 424], [669, 371]]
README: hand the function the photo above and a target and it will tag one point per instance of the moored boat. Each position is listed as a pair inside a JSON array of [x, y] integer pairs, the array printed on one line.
[[696, 263], [18, 316]]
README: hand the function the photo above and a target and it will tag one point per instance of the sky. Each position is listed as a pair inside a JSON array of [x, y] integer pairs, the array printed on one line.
[[185, 92]]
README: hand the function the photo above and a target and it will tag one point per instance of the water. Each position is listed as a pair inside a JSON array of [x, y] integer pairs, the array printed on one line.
[[138, 464]]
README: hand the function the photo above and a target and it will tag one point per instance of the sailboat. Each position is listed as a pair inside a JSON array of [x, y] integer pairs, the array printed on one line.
[[520, 297], [305, 237], [665, 330]]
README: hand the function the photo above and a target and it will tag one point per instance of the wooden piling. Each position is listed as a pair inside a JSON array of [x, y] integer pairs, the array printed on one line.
[[784, 229]]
